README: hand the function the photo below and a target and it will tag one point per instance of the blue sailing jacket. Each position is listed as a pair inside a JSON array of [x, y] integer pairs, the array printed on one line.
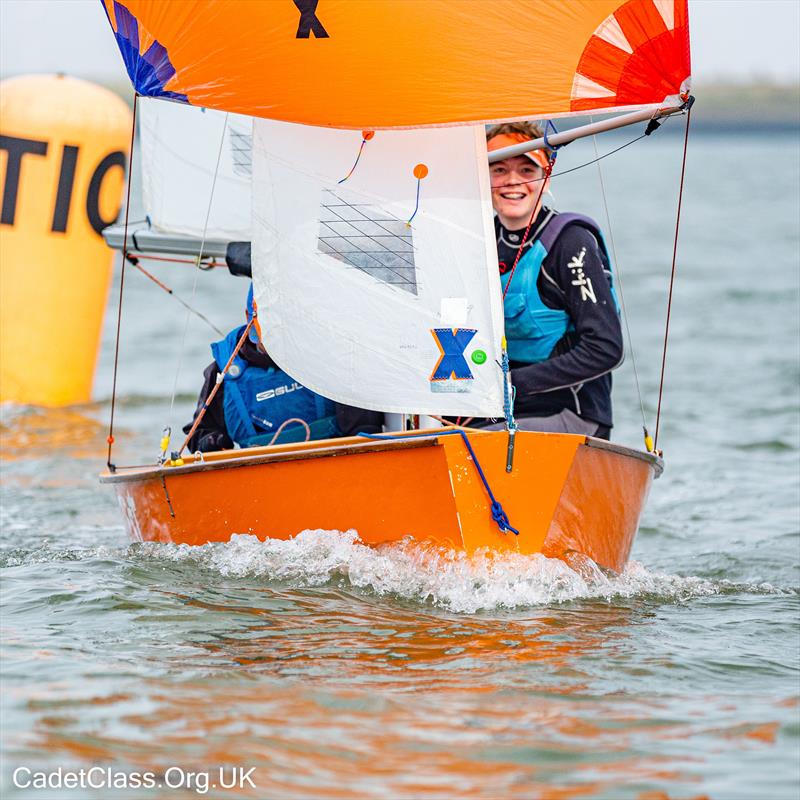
[[532, 328], [258, 401]]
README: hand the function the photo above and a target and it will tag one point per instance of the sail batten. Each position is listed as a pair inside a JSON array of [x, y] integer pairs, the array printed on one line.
[[393, 64]]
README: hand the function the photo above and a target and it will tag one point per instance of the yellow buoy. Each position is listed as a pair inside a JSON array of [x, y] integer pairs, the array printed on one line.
[[63, 152]]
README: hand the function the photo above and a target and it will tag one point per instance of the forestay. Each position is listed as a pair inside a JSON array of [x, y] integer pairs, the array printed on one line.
[[355, 303]]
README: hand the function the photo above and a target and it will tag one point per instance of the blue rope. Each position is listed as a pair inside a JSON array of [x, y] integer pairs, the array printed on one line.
[[552, 147], [416, 207], [498, 514]]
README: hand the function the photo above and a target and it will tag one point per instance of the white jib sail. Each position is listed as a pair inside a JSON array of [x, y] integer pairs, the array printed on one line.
[[356, 304], [180, 145]]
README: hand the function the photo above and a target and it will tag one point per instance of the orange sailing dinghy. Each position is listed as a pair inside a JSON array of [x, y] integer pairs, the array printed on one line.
[[346, 143], [565, 493]]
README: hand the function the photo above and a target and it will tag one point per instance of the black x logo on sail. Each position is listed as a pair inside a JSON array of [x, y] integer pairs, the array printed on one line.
[[309, 22]]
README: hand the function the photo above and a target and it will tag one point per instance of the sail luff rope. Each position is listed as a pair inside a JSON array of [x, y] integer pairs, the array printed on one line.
[[197, 272], [672, 274], [621, 288], [110, 438]]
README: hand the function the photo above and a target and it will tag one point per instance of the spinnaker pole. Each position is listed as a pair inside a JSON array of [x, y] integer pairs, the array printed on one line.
[[565, 137]]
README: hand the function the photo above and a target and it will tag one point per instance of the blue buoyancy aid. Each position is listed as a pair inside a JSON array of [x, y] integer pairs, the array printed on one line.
[[532, 328], [258, 401]]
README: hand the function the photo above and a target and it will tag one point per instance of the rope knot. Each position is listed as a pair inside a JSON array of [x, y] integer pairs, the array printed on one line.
[[501, 518], [553, 148], [498, 515]]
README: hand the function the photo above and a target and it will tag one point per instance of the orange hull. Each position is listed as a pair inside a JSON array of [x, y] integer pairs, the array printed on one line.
[[566, 493]]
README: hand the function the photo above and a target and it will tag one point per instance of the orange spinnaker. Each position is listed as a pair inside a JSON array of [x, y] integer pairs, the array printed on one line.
[[394, 64]]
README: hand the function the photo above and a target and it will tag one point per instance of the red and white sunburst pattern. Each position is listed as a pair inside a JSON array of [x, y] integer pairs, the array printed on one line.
[[637, 55]]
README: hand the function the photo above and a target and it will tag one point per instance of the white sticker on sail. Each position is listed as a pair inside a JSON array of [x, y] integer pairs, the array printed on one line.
[[454, 311]]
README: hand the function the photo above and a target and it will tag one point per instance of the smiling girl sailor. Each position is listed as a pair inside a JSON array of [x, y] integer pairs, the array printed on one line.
[[561, 316], [256, 399]]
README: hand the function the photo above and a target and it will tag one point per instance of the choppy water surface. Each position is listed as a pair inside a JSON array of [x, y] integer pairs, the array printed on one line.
[[340, 671]]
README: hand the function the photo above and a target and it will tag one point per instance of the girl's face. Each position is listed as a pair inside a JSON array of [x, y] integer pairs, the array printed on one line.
[[516, 187]]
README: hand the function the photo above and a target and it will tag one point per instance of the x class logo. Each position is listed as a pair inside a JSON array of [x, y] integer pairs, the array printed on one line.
[[452, 342], [309, 21]]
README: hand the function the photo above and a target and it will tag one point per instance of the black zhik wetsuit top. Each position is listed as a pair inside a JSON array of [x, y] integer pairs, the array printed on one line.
[[577, 376]]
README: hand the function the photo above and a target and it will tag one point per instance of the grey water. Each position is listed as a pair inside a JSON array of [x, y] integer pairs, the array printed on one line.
[[339, 671]]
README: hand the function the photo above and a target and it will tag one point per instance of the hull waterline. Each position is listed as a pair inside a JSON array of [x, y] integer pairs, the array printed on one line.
[[566, 494]]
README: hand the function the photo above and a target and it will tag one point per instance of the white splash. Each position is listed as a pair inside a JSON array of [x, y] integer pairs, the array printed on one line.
[[424, 573]]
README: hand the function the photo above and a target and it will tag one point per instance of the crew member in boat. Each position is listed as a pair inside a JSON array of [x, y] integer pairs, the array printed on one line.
[[258, 403], [562, 321]]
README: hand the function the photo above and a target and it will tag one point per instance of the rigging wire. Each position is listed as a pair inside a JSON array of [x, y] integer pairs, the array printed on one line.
[[110, 438], [580, 166], [672, 274], [198, 260], [134, 260], [621, 292]]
